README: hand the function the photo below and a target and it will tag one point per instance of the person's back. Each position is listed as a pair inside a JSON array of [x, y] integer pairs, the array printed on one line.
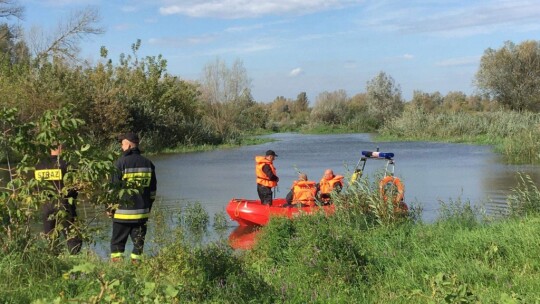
[[54, 169], [130, 216], [137, 169], [303, 192]]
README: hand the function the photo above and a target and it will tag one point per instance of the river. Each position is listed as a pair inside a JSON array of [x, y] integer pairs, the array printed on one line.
[[431, 171]]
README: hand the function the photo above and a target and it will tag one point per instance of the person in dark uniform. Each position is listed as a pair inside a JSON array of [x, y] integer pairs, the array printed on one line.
[[134, 171], [59, 212], [266, 176]]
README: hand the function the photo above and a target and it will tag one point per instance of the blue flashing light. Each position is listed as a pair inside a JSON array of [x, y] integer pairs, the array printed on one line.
[[375, 154]]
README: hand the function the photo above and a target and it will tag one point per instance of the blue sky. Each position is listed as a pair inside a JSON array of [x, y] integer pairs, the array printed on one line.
[[293, 46]]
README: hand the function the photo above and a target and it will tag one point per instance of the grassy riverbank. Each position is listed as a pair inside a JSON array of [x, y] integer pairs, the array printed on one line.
[[334, 129], [113, 147], [362, 254], [515, 135], [244, 141]]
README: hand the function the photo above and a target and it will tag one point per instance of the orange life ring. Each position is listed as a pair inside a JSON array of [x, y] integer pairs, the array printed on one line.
[[398, 199]]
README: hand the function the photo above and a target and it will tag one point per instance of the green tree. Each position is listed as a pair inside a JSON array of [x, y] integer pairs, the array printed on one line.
[[301, 104], [330, 107], [427, 102], [458, 101], [511, 75], [223, 90], [164, 109], [358, 118], [12, 48], [42, 81], [23, 195], [383, 97], [248, 114]]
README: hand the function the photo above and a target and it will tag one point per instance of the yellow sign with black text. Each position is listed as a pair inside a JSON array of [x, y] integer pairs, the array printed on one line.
[[49, 174]]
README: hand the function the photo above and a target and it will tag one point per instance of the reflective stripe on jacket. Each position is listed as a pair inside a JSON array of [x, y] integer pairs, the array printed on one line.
[[304, 192], [262, 178], [135, 172], [133, 214], [328, 185]]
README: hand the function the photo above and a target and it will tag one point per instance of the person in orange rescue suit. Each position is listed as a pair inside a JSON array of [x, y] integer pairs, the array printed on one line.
[[61, 212], [329, 183], [130, 217], [302, 192], [266, 176]]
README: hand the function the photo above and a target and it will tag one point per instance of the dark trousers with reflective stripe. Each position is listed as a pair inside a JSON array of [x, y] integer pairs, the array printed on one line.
[[120, 234]]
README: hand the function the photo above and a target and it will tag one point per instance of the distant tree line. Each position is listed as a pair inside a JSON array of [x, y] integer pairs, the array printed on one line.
[[42, 71]]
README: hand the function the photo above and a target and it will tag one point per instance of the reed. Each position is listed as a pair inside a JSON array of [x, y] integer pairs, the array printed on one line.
[[221, 221], [525, 197], [458, 259], [513, 134]]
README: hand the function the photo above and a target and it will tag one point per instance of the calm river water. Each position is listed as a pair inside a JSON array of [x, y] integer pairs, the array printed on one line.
[[431, 172]]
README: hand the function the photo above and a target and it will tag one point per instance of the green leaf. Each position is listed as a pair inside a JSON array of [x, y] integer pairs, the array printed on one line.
[[170, 291], [114, 283], [149, 288], [84, 268]]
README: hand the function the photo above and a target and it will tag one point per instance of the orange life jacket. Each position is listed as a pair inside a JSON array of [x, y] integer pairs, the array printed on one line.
[[327, 185], [304, 192], [262, 179]]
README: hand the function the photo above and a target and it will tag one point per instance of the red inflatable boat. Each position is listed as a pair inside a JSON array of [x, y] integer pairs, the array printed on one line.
[[251, 212]]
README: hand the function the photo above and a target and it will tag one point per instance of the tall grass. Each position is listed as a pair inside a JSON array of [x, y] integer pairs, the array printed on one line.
[[455, 260], [514, 134], [525, 197], [360, 254]]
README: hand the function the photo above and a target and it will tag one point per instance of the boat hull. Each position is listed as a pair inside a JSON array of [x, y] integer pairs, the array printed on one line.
[[251, 212]]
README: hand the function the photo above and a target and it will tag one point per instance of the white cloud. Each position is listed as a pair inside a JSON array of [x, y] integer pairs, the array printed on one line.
[[249, 8], [61, 3], [237, 29], [258, 26], [453, 18], [295, 72], [407, 56], [181, 42], [249, 47]]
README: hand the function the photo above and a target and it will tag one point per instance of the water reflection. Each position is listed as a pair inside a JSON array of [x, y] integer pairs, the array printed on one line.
[[243, 237]]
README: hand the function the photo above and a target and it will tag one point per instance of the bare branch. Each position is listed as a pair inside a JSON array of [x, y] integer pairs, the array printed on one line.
[[65, 42], [9, 8]]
